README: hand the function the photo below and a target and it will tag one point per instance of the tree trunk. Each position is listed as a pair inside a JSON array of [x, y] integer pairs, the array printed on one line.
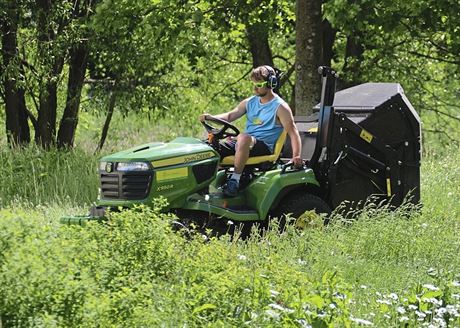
[[328, 39], [353, 57], [257, 35], [45, 136], [69, 120], [308, 52], [52, 60], [17, 128], [108, 119]]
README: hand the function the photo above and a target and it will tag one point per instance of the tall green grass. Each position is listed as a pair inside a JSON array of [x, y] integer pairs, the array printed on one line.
[[387, 268], [33, 176]]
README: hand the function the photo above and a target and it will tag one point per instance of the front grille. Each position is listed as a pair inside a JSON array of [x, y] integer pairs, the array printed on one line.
[[125, 185]]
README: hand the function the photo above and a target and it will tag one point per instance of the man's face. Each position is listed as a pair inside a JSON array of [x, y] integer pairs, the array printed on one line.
[[260, 88]]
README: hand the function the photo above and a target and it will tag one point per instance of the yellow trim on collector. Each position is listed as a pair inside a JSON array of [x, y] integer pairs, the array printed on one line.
[[182, 159], [173, 174], [388, 187], [366, 136]]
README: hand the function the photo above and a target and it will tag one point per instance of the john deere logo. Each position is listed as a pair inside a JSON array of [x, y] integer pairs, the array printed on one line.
[[109, 167]]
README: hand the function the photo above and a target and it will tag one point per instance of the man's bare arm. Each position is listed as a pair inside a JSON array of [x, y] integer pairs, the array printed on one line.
[[287, 121], [232, 115]]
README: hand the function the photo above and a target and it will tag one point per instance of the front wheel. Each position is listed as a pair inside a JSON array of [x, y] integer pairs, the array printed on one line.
[[303, 209]]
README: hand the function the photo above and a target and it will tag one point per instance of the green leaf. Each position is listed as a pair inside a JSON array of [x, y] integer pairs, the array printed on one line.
[[432, 294], [204, 307], [316, 300]]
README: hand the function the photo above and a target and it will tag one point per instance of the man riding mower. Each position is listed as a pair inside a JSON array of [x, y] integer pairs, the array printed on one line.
[[363, 141], [268, 116]]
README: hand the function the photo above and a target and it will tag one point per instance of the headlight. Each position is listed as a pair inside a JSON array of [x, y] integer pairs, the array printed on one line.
[[133, 166], [102, 166]]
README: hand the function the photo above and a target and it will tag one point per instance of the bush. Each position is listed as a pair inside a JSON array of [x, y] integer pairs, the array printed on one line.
[[134, 271]]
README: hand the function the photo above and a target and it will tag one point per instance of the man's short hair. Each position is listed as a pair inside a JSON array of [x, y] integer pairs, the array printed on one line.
[[261, 73]]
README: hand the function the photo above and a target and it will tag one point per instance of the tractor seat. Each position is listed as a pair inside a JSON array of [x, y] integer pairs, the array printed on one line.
[[229, 160]]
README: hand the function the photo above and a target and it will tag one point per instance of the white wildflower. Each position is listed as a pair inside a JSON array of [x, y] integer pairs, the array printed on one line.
[[301, 262], [431, 287], [241, 257], [303, 323], [393, 296], [246, 290], [274, 293], [363, 286], [361, 321], [272, 314], [456, 283], [403, 319], [456, 296], [424, 225], [441, 311], [401, 310], [340, 296], [384, 302], [278, 307], [452, 310], [439, 322], [433, 300], [387, 316], [420, 314], [432, 271], [412, 307], [308, 312], [321, 314], [332, 306]]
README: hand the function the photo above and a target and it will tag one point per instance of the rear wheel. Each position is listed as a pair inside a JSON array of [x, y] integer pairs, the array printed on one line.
[[302, 209]]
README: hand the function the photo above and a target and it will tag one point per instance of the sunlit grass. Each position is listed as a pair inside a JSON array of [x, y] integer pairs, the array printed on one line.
[[33, 176], [383, 259]]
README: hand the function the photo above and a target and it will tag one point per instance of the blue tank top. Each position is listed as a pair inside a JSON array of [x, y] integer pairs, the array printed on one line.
[[261, 120]]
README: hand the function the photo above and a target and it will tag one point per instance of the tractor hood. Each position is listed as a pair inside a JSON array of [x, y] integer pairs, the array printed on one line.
[[159, 154]]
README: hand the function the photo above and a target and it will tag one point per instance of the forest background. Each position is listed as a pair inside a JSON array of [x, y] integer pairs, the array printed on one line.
[[63, 59]]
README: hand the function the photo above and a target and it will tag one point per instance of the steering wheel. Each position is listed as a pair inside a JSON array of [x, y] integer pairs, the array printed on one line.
[[227, 129]]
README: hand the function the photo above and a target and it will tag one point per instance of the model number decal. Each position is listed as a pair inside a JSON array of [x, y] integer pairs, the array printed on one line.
[[165, 187]]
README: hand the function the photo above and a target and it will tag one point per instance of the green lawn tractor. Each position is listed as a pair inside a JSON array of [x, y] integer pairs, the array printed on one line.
[[365, 142]]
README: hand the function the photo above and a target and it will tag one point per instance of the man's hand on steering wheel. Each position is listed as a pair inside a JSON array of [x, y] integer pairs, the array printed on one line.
[[227, 129]]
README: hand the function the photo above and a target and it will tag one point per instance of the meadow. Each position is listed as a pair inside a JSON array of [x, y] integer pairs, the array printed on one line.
[[384, 269]]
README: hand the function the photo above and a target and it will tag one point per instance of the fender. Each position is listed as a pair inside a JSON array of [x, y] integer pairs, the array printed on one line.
[[262, 193]]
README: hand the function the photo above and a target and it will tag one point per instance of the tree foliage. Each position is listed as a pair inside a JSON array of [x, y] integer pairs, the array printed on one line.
[[413, 43], [147, 54]]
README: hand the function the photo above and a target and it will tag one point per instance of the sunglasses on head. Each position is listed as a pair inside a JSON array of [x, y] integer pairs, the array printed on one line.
[[259, 84]]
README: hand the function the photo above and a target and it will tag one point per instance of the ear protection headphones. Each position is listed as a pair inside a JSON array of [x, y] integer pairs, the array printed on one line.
[[272, 79]]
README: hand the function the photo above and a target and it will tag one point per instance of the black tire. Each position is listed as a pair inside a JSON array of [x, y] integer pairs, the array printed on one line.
[[297, 203]]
